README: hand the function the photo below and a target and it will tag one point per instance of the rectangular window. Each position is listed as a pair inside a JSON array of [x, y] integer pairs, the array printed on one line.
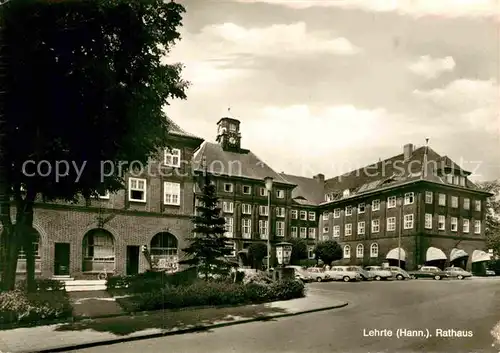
[[462, 181], [294, 231], [391, 224], [408, 218], [454, 201], [263, 211], [228, 207], [442, 200], [477, 205], [229, 227], [228, 187], [294, 214], [428, 197], [232, 245], [312, 216], [466, 204], [477, 227], [263, 229], [348, 210], [172, 157], [361, 208], [137, 189], [246, 228], [375, 225], [336, 213], [303, 215], [325, 237], [325, 230], [466, 226], [246, 208], [375, 205], [336, 231], [303, 232], [263, 192], [428, 221], [312, 233], [441, 222], [348, 229], [454, 224], [247, 190], [172, 193], [361, 228], [280, 212], [280, 229], [409, 198], [325, 216], [391, 202], [280, 194]]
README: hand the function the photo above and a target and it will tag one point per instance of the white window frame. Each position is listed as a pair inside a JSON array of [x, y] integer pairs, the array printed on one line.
[[280, 194], [409, 219], [336, 213], [429, 197], [361, 207], [311, 233], [376, 205], [391, 201], [246, 223], [246, 208], [347, 251], [280, 212], [295, 214], [249, 190], [232, 246], [263, 229], [303, 232], [312, 216], [375, 225], [442, 200], [477, 227], [372, 247], [326, 216], [477, 205], [361, 228], [336, 231], [263, 210], [303, 215], [228, 207], [466, 225], [171, 193], [428, 221], [348, 229], [466, 203], [231, 188], [294, 232], [172, 158], [348, 211], [130, 189], [229, 227], [280, 229], [325, 237], [263, 192], [454, 224], [326, 230], [360, 254], [106, 196], [441, 220], [310, 252], [409, 198], [454, 201], [391, 224]]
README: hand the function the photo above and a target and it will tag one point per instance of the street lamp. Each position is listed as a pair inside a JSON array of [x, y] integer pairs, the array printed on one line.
[[400, 230], [269, 186]]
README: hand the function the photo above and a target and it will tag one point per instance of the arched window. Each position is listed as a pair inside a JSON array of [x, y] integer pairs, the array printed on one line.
[[360, 251], [374, 250], [98, 251], [347, 252], [164, 250]]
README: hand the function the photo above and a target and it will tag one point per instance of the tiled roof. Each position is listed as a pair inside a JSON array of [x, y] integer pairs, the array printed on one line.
[[392, 172], [243, 164], [309, 191], [175, 129]]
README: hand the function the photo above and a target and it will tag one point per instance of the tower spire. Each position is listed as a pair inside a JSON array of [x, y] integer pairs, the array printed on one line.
[[424, 166]]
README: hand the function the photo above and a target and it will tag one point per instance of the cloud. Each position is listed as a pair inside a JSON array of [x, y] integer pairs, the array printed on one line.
[[474, 102], [417, 8], [430, 68]]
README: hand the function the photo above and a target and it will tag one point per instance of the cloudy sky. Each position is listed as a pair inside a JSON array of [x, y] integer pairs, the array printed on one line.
[[328, 86]]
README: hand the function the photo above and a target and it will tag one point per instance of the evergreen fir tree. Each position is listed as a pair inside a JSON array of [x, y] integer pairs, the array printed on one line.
[[208, 246]]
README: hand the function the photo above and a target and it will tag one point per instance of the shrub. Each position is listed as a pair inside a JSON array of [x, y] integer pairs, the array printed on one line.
[[19, 307], [151, 281], [43, 285], [258, 277], [287, 290]]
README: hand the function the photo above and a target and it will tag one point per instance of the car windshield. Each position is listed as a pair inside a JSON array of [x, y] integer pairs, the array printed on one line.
[[375, 268], [351, 269]]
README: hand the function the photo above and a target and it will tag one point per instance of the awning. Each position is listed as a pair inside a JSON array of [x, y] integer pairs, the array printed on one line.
[[395, 253], [435, 254], [479, 255], [457, 253]]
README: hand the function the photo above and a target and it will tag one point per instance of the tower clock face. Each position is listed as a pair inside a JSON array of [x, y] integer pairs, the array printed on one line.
[[232, 140]]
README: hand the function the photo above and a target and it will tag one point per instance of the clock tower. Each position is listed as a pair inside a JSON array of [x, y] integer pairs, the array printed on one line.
[[228, 134]]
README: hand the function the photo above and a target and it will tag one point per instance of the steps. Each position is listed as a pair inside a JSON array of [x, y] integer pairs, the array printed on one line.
[[73, 285]]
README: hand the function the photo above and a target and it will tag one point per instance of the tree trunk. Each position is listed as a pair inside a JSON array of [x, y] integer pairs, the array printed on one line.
[[26, 235]]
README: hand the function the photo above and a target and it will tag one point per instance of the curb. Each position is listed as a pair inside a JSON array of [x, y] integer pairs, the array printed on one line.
[[185, 330]]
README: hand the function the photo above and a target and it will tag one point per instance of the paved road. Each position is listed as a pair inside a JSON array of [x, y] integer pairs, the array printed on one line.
[[470, 305]]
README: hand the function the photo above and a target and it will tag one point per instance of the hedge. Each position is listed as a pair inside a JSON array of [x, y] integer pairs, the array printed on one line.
[[203, 293]]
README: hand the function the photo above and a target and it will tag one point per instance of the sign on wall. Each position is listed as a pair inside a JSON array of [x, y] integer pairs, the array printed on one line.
[[168, 263]]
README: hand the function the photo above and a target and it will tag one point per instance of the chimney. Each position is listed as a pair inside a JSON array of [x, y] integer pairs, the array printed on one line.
[[408, 151], [319, 177]]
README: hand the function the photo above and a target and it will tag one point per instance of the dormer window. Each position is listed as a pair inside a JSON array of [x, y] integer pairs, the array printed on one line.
[[173, 157], [228, 187], [280, 194], [232, 127], [247, 190], [346, 193]]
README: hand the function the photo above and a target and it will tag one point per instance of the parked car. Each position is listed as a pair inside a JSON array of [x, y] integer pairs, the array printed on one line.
[[345, 273], [398, 273], [429, 272], [490, 273], [318, 274], [302, 274], [365, 275], [457, 272], [378, 273]]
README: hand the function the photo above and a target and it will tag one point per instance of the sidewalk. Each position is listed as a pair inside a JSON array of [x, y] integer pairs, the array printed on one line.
[[96, 332]]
